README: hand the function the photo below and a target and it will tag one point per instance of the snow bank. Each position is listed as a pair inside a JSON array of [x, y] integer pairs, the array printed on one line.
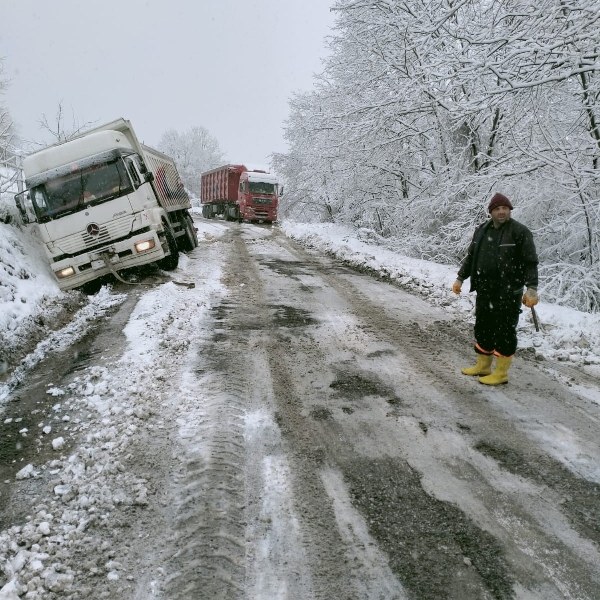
[[566, 334]]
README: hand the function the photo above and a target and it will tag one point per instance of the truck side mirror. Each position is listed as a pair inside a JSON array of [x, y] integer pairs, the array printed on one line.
[[281, 190], [19, 201]]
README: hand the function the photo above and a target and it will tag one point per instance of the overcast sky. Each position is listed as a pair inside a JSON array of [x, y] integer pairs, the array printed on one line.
[[227, 65]]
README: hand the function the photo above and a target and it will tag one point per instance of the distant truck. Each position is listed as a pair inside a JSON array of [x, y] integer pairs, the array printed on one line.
[[103, 202], [239, 194]]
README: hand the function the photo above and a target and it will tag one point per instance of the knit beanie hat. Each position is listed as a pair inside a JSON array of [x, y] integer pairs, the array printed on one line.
[[499, 200]]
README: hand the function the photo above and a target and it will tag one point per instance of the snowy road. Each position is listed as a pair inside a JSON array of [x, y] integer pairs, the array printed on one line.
[[292, 429]]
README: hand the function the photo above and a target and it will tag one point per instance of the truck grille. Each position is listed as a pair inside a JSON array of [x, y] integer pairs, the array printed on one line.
[[93, 240], [82, 241]]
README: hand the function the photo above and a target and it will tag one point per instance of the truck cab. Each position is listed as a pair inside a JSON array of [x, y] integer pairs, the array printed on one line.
[[103, 202], [258, 196]]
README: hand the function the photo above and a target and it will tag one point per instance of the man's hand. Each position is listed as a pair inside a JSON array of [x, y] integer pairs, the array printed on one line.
[[530, 297], [457, 286]]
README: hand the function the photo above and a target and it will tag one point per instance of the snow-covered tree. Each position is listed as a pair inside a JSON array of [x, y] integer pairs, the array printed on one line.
[[194, 151], [424, 110]]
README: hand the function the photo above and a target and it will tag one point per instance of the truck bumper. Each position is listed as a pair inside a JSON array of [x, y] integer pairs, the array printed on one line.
[[75, 271], [261, 216]]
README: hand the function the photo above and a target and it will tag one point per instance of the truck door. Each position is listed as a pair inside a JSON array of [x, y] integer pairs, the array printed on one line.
[[134, 171]]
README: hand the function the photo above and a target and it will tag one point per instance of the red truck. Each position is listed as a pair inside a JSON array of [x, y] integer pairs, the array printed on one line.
[[239, 194]]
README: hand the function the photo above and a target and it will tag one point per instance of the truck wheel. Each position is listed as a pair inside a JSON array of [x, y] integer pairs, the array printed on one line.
[[193, 232], [169, 263], [188, 241]]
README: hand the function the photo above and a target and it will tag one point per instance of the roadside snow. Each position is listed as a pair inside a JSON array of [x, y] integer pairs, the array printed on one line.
[[63, 338], [24, 277], [111, 407], [108, 409], [28, 293], [566, 334]]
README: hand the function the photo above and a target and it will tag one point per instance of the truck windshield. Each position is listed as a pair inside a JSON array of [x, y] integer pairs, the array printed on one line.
[[74, 191], [261, 187]]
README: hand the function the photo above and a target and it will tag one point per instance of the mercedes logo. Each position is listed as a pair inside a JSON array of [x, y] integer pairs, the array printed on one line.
[[93, 229]]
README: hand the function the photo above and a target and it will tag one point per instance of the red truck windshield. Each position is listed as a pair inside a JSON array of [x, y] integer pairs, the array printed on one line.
[[74, 191], [261, 187]]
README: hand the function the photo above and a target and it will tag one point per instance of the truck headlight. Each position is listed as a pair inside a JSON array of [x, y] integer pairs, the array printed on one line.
[[65, 272], [144, 246]]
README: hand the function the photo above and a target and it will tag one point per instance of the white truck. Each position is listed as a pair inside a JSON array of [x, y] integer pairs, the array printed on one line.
[[103, 202]]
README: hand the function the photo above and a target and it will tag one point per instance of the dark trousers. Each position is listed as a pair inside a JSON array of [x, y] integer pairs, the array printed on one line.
[[496, 320]]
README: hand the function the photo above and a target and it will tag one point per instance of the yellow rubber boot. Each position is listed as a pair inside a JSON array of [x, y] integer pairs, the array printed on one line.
[[500, 374], [483, 366]]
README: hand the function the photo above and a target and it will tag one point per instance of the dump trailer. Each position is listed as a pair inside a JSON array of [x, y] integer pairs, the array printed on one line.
[[103, 202], [240, 194]]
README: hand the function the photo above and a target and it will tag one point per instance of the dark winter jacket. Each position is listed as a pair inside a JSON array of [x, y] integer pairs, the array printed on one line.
[[501, 260]]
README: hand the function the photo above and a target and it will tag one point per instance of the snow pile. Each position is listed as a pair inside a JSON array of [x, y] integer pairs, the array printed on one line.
[[103, 411], [566, 334], [28, 292], [87, 486], [25, 278], [54, 341]]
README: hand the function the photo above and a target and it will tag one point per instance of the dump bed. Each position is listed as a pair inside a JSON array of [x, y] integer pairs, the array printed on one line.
[[167, 184], [221, 184]]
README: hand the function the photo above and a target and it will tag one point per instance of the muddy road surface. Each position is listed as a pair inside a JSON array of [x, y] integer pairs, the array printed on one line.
[[293, 429]]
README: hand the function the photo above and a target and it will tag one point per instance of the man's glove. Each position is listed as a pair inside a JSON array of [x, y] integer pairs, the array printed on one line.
[[530, 297], [457, 286]]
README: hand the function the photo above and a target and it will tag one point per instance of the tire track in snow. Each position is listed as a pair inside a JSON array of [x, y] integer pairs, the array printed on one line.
[[437, 413], [209, 529], [236, 533]]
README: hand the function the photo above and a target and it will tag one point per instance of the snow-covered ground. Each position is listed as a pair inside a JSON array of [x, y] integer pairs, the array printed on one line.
[[110, 408], [565, 334], [28, 291]]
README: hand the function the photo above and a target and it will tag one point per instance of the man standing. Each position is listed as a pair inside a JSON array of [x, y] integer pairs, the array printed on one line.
[[500, 261]]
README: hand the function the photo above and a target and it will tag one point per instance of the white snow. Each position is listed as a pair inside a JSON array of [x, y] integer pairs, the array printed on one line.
[[25, 279], [262, 177], [107, 406], [566, 334]]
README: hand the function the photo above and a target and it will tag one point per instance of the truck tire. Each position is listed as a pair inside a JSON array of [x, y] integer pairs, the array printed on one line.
[[169, 263], [189, 241], [193, 231]]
